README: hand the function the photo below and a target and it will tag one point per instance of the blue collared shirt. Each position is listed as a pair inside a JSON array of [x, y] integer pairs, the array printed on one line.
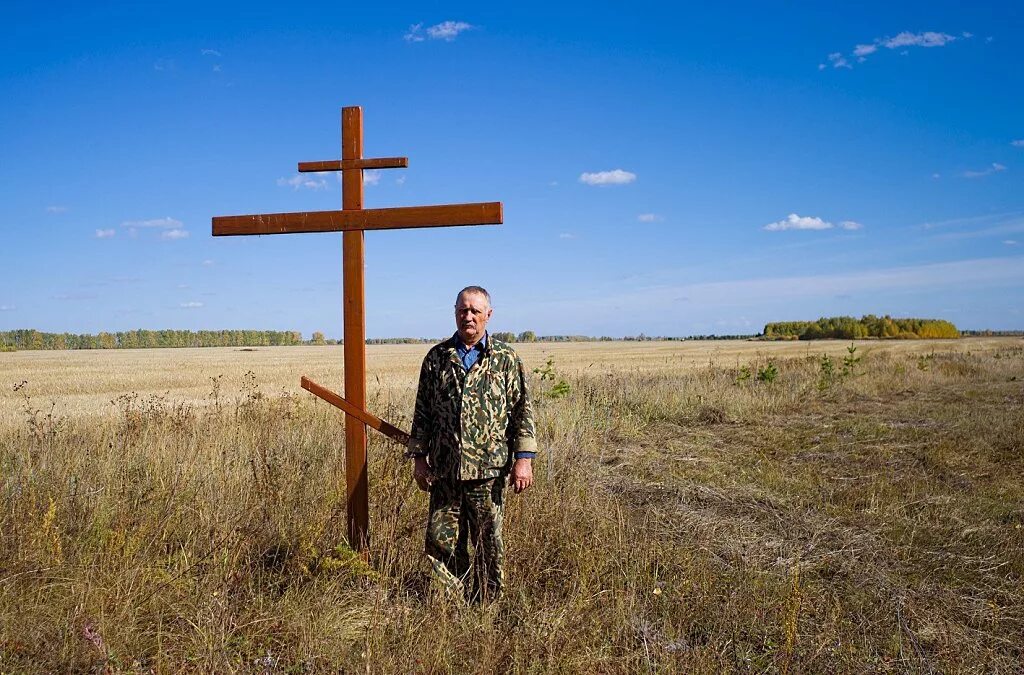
[[469, 355]]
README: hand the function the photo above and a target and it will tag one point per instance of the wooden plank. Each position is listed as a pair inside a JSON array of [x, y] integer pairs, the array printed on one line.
[[367, 418], [354, 305], [442, 215], [342, 164]]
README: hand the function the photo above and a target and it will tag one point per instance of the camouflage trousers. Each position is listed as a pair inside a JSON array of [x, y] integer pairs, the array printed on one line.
[[464, 513]]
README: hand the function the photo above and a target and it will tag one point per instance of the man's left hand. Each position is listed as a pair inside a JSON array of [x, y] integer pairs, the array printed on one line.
[[522, 474]]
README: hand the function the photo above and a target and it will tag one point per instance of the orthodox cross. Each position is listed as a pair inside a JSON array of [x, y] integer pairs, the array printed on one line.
[[352, 221]]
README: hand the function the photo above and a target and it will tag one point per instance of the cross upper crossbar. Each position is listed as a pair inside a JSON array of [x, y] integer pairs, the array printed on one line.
[[346, 164]]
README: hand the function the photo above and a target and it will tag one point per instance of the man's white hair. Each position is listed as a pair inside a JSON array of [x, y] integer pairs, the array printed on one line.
[[478, 290]]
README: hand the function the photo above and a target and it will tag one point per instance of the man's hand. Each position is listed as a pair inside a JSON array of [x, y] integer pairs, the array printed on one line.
[[522, 474], [422, 473]]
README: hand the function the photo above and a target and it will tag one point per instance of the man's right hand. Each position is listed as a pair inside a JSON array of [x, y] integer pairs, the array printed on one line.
[[422, 473]]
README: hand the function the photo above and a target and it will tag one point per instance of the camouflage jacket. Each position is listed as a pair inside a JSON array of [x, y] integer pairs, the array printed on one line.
[[471, 423]]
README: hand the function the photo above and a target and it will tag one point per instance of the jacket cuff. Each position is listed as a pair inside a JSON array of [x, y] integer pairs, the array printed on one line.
[[417, 448], [525, 455], [524, 444]]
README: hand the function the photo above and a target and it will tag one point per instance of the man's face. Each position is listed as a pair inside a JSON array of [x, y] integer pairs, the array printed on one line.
[[472, 312]]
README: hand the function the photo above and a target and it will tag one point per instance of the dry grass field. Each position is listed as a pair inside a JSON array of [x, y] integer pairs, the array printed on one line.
[[700, 507]]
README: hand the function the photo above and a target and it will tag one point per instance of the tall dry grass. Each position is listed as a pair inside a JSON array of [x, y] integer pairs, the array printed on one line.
[[684, 519]]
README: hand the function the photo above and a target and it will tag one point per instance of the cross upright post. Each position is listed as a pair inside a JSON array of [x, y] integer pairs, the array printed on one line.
[[354, 302], [352, 220]]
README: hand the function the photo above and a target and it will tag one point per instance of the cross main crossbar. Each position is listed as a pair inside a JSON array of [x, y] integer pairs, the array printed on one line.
[[445, 215]]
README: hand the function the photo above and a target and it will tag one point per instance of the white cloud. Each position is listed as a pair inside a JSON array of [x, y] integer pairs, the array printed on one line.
[[795, 222], [900, 41], [447, 30], [936, 176], [371, 177], [309, 181], [207, 263], [613, 177], [164, 65], [996, 167], [400, 180], [1018, 143], [190, 305], [567, 235], [1010, 242], [850, 225], [838, 60], [155, 222], [105, 234], [925, 39], [174, 234], [413, 35], [210, 52], [7, 308], [649, 218], [64, 209]]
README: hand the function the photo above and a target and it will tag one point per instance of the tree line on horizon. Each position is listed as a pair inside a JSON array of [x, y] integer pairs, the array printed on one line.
[[31, 339], [842, 327], [868, 326]]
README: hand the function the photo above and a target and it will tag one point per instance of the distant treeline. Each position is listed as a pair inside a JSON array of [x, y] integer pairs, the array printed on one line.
[[140, 339], [992, 333], [869, 326], [30, 339]]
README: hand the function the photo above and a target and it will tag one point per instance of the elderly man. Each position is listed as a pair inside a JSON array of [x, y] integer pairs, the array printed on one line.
[[472, 431]]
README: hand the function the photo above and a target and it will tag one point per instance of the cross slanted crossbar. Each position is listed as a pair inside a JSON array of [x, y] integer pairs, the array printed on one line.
[[352, 221]]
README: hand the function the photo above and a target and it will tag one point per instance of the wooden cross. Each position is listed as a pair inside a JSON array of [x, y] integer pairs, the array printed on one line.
[[352, 220]]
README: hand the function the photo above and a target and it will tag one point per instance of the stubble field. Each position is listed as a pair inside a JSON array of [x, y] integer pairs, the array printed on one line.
[[699, 507]]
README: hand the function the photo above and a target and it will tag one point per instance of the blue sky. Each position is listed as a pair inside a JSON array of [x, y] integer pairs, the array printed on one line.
[[671, 170]]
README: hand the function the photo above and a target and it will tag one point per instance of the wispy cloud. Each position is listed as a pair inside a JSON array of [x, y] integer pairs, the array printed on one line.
[[210, 52], [782, 291], [307, 181], [1010, 242], [154, 222], [371, 177], [56, 209], [1018, 143], [901, 41], [446, 30], [207, 263], [996, 167], [567, 235], [190, 305], [604, 178], [74, 296], [174, 234], [979, 227], [105, 234], [649, 218], [837, 60], [7, 308], [850, 225], [164, 65]]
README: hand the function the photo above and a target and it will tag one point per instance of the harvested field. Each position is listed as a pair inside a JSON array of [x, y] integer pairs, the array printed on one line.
[[699, 507]]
